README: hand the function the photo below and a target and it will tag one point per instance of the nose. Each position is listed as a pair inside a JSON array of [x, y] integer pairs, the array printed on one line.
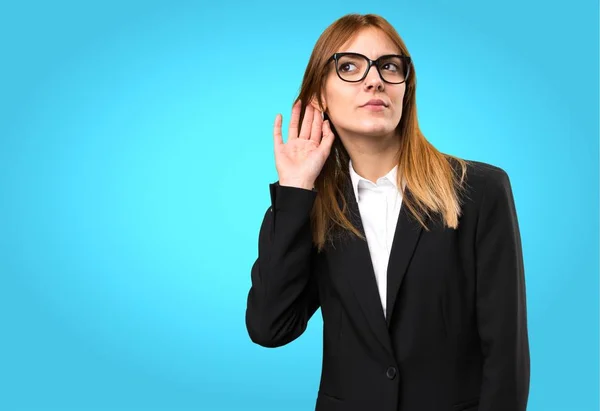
[[373, 79]]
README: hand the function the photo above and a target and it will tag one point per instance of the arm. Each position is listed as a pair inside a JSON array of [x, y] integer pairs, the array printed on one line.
[[284, 293], [501, 302]]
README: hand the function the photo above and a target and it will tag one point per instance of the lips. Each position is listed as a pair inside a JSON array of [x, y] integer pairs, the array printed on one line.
[[376, 102]]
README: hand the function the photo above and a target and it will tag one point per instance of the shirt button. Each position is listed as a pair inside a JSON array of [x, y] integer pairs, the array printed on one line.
[[391, 373]]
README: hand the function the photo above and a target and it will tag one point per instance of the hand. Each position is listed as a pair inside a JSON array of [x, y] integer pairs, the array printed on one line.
[[300, 160]]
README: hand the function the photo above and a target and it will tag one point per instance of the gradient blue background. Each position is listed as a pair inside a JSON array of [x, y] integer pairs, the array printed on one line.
[[135, 157]]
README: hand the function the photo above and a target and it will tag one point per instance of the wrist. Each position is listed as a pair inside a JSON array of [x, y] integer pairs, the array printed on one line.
[[298, 184]]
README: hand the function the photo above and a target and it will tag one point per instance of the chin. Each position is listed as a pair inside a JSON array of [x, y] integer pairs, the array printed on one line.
[[374, 128]]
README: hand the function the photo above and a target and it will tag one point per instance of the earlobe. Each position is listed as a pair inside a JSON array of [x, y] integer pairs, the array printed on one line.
[[322, 114], [315, 103], [324, 103]]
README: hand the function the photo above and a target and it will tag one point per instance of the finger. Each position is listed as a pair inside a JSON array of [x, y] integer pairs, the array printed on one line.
[[328, 137], [317, 126], [307, 122], [277, 130], [294, 121]]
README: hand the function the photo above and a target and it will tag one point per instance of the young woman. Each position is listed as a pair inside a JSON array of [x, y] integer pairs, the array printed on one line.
[[414, 256]]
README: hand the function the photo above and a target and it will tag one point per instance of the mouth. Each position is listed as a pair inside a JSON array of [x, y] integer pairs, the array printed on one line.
[[374, 107], [375, 102]]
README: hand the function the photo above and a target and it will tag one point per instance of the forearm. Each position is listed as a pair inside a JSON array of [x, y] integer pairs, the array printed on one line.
[[283, 295]]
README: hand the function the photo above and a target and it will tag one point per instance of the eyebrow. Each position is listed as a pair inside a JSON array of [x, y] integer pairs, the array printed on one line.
[[387, 53]]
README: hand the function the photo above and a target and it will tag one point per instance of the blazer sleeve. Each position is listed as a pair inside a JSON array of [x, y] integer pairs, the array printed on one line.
[[501, 303], [284, 294]]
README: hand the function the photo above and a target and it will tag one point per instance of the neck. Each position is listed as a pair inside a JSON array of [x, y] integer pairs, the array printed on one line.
[[372, 157]]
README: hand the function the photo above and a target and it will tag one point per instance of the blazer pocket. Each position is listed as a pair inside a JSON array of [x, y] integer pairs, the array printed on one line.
[[330, 397], [326, 402], [470, 405]]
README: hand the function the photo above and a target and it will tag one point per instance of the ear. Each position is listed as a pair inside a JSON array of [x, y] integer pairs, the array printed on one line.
[[315, 103]]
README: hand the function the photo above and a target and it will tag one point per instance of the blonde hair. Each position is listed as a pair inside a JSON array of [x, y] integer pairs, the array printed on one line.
[[433, 181]]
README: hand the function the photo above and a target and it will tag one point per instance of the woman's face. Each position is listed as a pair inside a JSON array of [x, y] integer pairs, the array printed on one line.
[[345, 102]]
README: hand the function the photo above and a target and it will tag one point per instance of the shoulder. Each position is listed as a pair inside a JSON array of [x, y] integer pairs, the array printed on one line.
[[486, 188], [481, 177], [489, 175]]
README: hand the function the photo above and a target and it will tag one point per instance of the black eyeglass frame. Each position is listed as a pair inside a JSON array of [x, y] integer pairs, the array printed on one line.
[[406, 59]]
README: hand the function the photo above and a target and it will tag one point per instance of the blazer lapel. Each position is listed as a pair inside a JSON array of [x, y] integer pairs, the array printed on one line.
[[357, 263], [408, 231], [353, 257]]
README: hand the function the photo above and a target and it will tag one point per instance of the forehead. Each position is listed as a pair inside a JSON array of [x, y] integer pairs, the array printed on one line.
[[371, 42]]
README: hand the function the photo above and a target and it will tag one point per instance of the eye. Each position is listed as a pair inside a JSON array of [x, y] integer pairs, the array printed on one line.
[[344, 66], [390, 67]]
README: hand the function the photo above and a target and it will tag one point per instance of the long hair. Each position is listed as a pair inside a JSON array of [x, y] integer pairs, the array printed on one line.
[[434, 182]]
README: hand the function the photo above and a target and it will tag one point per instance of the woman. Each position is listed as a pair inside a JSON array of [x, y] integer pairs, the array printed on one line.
[[413, 256]]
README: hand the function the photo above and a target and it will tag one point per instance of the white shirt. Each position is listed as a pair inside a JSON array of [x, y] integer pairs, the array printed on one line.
[[379, 204]]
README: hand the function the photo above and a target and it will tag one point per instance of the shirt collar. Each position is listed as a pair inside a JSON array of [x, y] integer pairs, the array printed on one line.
[[356, 179]]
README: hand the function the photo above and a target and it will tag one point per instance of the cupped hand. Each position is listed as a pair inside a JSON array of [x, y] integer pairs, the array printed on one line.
[[300, 160]]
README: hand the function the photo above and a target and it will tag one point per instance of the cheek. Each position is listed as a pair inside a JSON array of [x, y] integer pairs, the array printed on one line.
[[399, 105], [399, 97], [339, 96], [340, 104]]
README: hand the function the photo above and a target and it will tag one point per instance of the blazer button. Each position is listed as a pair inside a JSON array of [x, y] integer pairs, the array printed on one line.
[[391, 373]]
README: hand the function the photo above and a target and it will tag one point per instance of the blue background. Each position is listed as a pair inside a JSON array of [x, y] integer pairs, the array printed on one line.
[[136, 151]]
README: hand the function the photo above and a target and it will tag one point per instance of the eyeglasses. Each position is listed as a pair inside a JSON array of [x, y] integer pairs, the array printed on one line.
[[353, 67]]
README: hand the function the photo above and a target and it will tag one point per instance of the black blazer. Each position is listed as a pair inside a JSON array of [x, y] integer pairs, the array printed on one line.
[[455, 338]]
